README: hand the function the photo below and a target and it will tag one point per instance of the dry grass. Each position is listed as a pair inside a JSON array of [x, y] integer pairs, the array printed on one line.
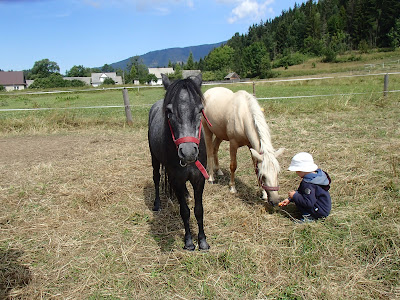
[[76, 219]]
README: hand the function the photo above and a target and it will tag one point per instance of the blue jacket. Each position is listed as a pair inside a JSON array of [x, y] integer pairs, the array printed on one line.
[[313, 194]]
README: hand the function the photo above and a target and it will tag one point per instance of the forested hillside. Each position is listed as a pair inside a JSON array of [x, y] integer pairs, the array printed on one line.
[[161, 58], [326, 28]]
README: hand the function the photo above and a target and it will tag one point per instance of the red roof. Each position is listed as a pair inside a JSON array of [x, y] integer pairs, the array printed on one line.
[[12, 78]]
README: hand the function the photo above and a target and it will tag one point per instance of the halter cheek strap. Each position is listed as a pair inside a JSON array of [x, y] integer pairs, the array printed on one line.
[[265, 187]]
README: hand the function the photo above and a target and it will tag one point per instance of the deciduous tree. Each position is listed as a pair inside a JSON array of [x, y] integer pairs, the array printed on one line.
[[44, 68]]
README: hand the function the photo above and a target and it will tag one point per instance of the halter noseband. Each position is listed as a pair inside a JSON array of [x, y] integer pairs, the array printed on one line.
[[191, 139], [265, 187]]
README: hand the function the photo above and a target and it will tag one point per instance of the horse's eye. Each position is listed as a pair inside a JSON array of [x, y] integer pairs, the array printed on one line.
[[168, 112]]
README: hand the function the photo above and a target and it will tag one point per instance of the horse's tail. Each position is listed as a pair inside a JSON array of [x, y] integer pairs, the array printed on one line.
[[166, 185]]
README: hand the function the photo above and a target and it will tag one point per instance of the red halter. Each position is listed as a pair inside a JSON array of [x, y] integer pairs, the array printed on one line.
[[191, 139]]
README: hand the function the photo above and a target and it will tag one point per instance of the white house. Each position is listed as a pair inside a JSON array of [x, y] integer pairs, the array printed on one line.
[[158, 72], [98, 78], [13, 80]]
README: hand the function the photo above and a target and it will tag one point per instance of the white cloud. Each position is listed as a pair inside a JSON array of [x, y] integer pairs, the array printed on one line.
[[159, 6], [248, 10]]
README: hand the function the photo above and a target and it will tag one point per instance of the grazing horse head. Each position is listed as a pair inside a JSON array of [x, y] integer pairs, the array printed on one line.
[[183, 107], [267, 169]]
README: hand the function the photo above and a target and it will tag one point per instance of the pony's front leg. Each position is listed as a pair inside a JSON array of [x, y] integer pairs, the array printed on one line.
[[185, 215], [233, 151], [199, 213], [156, 179], [208, 135], [264, 195]]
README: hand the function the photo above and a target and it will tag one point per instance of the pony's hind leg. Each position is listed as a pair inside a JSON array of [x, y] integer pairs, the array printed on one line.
[[216, 143], [156, 179]]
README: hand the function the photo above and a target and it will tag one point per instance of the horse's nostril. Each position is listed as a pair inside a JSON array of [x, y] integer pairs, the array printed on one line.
[[180, 153]]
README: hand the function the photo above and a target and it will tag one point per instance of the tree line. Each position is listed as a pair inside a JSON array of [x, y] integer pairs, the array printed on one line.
[[46, 74], [324, 29]]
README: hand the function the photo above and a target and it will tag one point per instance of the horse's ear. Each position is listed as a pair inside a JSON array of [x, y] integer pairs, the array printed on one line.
[[256, 155], [279, 152], [165, 81], [198, 80]]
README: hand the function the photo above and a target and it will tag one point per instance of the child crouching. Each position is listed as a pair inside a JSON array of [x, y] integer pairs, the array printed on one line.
[[312, 197]]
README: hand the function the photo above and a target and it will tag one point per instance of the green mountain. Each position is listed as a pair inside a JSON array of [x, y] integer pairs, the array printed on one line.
[[161, 58]]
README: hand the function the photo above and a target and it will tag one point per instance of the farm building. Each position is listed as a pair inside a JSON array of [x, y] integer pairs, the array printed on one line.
[[232, 77], [98, 78], [190, 73], [13, 80], [158, 72]]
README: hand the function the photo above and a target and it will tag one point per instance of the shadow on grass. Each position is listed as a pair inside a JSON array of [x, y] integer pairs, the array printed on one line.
[[250, 195], [167, 225], [13, 275], [291, 212]]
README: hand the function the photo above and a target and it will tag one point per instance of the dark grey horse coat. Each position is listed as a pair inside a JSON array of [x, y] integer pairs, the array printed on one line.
[[178, 116]]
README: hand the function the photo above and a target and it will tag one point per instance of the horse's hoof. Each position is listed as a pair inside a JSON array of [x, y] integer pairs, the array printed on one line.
[[233, 190], [220, 173], [189, 247], [211, 181], [156, 209], [203, 245]]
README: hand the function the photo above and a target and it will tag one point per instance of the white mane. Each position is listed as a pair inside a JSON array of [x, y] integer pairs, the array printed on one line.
[[262, 128]]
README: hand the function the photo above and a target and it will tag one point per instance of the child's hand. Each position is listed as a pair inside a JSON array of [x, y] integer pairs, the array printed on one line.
[[291, 194], [284, 202]]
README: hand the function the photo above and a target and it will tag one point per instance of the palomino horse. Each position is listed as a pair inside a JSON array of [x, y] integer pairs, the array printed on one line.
[[175, 141], [238, 118]]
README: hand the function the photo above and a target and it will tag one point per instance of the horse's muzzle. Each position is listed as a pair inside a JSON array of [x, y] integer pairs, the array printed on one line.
[[188, 153]]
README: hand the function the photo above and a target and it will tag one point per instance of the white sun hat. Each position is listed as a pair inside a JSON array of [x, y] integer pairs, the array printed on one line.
[[303, 162]]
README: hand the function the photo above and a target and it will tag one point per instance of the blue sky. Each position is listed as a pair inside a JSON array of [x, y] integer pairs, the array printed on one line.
[[95, 32]]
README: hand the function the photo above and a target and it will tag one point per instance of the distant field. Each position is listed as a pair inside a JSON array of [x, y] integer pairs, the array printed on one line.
[[63, 115], [353, 62], [77, 192]]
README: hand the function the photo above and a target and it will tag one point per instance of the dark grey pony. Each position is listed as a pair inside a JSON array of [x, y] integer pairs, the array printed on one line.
[[176, 142]]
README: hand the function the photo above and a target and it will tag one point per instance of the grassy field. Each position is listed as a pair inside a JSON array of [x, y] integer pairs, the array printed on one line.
[[77, 192]]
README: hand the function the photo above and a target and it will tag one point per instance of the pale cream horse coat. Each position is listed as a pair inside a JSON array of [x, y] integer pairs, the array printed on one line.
[[238, 118]]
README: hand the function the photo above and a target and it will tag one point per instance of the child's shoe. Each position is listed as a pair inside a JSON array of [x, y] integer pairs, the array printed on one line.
[[306, 219]]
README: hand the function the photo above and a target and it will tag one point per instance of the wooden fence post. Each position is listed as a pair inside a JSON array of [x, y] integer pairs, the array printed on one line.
[[386, 85], [254, 89], [128, 112]]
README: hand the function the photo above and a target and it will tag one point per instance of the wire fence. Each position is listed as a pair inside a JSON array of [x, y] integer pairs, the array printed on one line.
[[384, 91]]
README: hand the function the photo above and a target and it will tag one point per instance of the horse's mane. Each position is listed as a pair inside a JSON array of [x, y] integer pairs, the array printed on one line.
[[176, 86], [263, 131]]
